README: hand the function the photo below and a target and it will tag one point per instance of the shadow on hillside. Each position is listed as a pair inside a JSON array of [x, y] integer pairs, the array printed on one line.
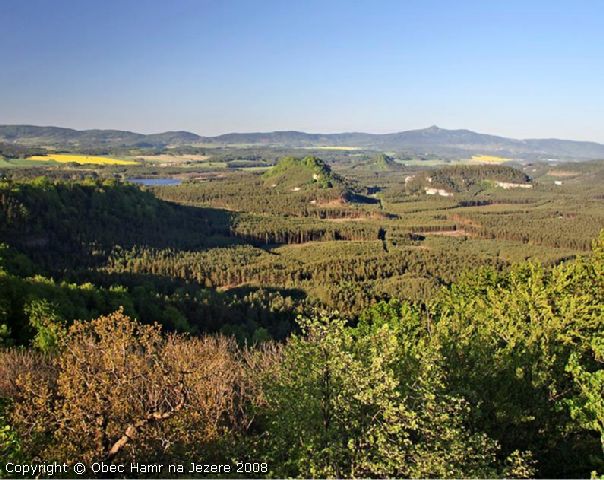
[[69, 231], [240, 311], [82, 239]]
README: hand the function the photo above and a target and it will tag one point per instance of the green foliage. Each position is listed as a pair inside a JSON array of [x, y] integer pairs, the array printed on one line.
[[11, 150], [292, 193], [354, 409], [4, 334], [35, 309], [318, 269], [10, 447], [499, 375], [381, 161], [462, 178], [49, 327], [72, 225], [295, 172], [511, 341], [588, 406], [587, 367], [551, 227]]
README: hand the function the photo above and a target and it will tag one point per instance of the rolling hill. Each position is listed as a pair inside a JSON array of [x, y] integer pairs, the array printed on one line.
[[302, 173], [432, 140], [427, 141], [68, 137]]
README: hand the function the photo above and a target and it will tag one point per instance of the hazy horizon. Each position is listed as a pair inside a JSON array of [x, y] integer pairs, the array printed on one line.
[[151, 132], [511, 69]]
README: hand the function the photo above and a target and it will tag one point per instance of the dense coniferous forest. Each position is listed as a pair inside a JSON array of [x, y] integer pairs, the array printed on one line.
[[390, 329]]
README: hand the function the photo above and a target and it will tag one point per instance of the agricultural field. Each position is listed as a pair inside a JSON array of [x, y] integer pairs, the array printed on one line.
[[25, 162], [168, 159], [80, 159], [342, 148], [489, 159]]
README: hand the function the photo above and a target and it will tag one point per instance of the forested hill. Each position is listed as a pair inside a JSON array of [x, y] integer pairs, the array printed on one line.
[[68, 137], [298, 173], [467, 178], [380, 162], [432, 140], [67, 224]]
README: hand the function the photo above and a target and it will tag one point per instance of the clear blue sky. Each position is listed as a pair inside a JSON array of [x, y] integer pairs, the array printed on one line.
[[516, 68]]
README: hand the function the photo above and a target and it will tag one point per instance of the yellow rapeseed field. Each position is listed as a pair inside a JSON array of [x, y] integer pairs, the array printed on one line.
[[82, 159], [488, 159]]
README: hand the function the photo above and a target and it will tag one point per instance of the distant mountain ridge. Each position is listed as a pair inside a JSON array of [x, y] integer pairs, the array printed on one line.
[[426, 141], [58, 136]]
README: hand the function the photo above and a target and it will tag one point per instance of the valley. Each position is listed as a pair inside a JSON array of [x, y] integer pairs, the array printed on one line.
[[255, 255], [342, 234], [306, 240]]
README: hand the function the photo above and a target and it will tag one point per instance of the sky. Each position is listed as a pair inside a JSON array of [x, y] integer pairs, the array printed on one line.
[[524, 69]]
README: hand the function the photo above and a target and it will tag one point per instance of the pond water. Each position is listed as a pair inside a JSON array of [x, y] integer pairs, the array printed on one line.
[[154, 182]]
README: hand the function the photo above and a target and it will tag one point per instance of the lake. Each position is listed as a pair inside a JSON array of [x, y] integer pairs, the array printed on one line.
[[154, 182]]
